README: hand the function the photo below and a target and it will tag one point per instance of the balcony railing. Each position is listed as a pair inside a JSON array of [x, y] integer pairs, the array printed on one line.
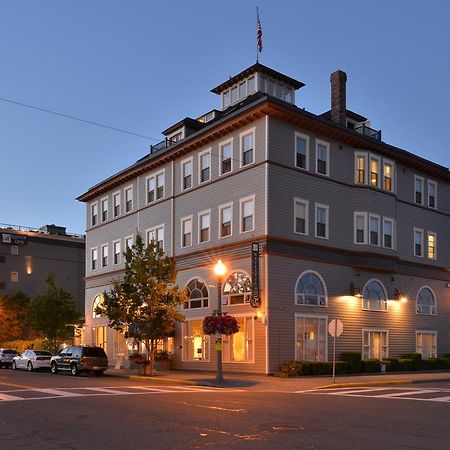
[[370, 132], [166, 143]]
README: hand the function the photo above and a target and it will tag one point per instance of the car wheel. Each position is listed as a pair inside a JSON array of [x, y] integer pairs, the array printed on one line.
[[30, 366], [14, 365], [74, 370], [54, 369]]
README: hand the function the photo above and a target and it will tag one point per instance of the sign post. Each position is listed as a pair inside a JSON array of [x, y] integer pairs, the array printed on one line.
[[335, 328], [255, 299]]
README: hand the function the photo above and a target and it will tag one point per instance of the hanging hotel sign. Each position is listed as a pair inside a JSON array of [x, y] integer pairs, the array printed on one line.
[[13, 239], [255, 300]]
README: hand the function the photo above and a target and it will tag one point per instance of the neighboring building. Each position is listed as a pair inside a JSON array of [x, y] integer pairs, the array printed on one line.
[[346, 225], [28, 255]]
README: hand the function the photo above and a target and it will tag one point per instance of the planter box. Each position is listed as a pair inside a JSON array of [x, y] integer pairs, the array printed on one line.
[[163, 364]]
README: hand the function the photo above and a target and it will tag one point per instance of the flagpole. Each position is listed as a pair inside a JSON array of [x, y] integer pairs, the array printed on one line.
[[257, 20]]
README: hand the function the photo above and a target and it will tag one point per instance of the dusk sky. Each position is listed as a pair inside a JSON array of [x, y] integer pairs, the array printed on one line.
[[142, 66]]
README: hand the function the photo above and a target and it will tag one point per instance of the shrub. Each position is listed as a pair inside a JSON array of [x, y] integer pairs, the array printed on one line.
[[392, 364], [405, 365], [290, 369], [371, 365], [413, 356], [22, 344], [353, 360]]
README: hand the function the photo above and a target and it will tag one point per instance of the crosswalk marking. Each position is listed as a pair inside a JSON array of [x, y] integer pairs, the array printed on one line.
[[58, 392], [6, 397]]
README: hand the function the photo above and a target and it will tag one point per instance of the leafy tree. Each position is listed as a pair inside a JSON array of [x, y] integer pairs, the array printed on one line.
[[51, 312], [143, 305], [13, 313]]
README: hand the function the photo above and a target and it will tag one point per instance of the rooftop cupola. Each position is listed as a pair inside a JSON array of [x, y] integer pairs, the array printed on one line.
[[257, 78]]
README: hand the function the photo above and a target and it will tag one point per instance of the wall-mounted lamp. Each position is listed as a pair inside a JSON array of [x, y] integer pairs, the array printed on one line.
[[355, 291], [400, 296], [261, 316]]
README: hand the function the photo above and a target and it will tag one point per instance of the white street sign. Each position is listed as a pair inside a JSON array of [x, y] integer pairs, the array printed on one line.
[[335, 328]]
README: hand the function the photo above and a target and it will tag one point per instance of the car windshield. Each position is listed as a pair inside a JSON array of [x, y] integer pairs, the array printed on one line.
[[94, 351], [43, 353]]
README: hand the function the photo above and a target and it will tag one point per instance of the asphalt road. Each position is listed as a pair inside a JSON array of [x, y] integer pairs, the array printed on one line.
[[44, 411]]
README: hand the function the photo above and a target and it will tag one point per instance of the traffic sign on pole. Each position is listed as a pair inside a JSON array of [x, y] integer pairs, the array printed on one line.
[[335, 328]]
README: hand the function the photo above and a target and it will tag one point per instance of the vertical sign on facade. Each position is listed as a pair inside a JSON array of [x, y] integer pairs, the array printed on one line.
[[255, 300]]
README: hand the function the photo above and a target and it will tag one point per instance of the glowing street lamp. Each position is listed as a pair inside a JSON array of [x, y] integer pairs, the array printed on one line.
[[220, 270]]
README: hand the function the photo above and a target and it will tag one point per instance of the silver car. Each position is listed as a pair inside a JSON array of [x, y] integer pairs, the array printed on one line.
[[6, 357], [32, 360]]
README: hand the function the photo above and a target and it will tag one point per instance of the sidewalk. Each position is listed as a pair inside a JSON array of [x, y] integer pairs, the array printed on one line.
[[270, 383]]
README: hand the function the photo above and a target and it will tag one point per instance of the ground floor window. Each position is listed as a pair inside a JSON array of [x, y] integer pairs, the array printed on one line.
[[311, 338], [239, 346], [375, 344], [99, 337], [426, 344], [195, 343]]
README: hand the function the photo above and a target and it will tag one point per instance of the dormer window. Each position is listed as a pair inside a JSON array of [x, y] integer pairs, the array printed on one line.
[[251, 85], [226, 99]]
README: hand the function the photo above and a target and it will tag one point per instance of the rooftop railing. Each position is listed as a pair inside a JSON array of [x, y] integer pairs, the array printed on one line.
[[166, 143], [370, 132], [10, 227]]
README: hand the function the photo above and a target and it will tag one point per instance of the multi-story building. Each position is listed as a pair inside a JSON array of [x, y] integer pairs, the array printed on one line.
[[348, 227], [28, 255]]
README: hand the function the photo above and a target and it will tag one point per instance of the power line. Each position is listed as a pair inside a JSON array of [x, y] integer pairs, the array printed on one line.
[[68, 116]]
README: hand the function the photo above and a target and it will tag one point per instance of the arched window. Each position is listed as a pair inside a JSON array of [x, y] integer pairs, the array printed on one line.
[[197, 295], [237, 289], [426, 303], [374, 296], [310, 290], [98, 301]]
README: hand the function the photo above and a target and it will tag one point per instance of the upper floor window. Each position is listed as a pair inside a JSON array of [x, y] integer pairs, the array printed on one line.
[[94, 258], [361, 162], [116, 204], [129, 199], [387, 175], [128, 242], [205, 166], [98, 301], [197, 292], [234, 94], [105, 255], [301, 216], [226, 157], [374, 225], [360, 220], [310, 290], [374, 296], [322, 157], [374, 171], [418, 190], [94, 214], [322, 221], [104, 209], [226, 99], [204, 226], [418, 242], [388, 233], [157, 235], [251, 85], [155, 187], [301, 151], [226, 216], [432, 188], [186, 232], [431, 250], [425, 302], [116, 252], [237, 289], [247, 151], [247, 214], [186, 174]]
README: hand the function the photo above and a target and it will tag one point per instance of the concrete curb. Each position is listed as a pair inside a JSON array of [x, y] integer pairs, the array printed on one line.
[[384, 383]]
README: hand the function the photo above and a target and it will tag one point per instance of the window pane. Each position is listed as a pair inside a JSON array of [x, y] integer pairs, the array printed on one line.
[[300, 148]]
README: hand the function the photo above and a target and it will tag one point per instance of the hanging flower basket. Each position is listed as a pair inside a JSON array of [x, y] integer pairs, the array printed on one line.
[[223, 324]]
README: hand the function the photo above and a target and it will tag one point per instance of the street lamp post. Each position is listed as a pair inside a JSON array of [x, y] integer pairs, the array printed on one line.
[[219, 270]]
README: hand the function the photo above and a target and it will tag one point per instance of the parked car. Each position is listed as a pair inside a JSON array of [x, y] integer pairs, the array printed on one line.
[[6, 357], [32, 360], [77, 359]]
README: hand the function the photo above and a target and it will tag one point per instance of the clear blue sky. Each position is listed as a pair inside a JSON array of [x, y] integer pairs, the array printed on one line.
[[143, 65]]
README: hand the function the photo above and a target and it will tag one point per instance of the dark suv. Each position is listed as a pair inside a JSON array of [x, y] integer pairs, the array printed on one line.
[[77, 359], [6, 357]]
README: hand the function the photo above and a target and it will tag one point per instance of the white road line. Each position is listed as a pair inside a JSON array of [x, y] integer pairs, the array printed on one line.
[[357, 391], [107, 391], [59, 392], [439, 399], [8, 398], [400, 394]]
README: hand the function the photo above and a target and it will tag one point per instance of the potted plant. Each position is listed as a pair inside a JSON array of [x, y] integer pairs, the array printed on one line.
[[136, 360], [162, 360]]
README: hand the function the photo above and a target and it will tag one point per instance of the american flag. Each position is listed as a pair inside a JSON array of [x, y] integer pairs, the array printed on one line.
[[258, 32]]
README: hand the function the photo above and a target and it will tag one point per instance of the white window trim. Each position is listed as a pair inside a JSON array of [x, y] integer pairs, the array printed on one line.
[[200, 214], [156, 227], [241, 149], [327, 223], [420, 230], [435, 194], [252, 317], [323, 284], [107, 209], [374, 216], [125, 241], [392, 164], [103, 246], [434, 332], [306, 204], [120, 204], [375, 330], [392, 222], [221, 145], [221, 207], [355, 215], [435, 301], [241, 213], [327, 146], [182, 163], [373, 157], [432, 233], [385, 296], [306, 138], [91, 259], [196, 361], [182, 221], [311, 316], [120, 252], [364, 155], [125, 199], [154, 175], [200, 154], [417, 177], [92, 215]]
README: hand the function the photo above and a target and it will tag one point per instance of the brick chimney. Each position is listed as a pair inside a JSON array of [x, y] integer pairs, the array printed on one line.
[[338, 81]]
